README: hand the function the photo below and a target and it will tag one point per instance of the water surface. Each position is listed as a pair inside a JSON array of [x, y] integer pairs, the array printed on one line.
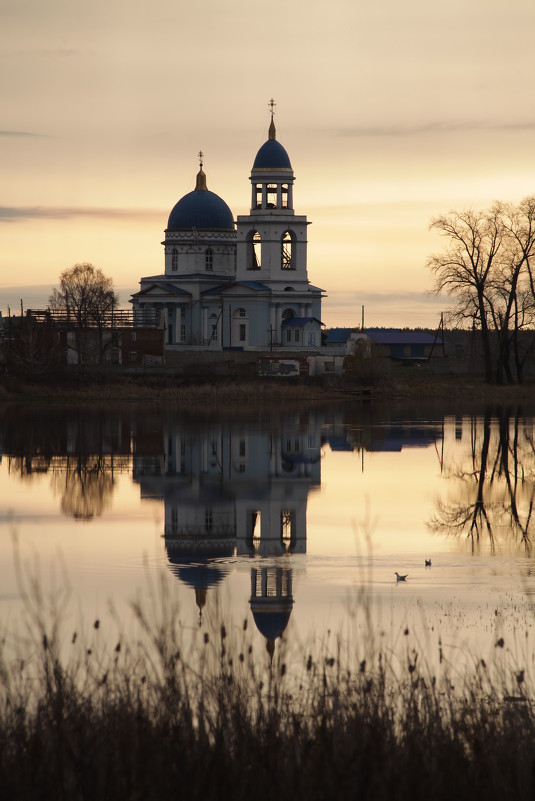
[[293, 521]]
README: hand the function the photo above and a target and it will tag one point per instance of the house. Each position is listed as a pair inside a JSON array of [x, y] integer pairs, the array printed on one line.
[[399, 346], [238, 285]]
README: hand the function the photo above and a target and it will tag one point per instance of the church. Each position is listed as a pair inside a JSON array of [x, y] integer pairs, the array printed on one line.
[[236, 285]]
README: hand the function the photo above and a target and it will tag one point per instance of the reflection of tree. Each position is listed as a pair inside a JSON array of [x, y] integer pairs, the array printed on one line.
[[494, 486], [86, 486]]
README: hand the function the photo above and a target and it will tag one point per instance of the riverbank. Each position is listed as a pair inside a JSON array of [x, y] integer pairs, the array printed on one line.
[[167, 389]]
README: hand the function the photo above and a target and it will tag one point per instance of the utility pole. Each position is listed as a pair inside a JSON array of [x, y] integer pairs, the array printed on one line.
[[440, 328]]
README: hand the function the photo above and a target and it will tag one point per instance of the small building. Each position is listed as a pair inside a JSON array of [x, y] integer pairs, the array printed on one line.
[[396, 344]]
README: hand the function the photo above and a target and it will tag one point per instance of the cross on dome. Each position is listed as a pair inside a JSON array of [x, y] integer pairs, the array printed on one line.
[[272, 131], [201, 177]]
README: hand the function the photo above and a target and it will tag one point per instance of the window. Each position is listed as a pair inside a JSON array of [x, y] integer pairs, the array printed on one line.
[[134, 334], [312, 339], [258, 196], [133, 355], [296, 335], [288, 335], [242, 447], [284, 192], [241, 313], [287, 252], [254, 251], [257, 251], [174, 260], [242, 332], [209, 259], [183, 333], [271, 196], [286, 525]]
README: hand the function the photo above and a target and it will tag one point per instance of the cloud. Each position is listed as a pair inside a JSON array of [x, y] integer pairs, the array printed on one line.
[[60, 52], [15, 214], [438, 127], [23, 134], [396, 308]]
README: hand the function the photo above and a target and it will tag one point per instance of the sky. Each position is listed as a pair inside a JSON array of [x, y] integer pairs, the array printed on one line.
[[392, 114]]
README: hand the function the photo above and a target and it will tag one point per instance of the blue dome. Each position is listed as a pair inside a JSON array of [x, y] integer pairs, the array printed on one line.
[[272, 156], [201, 209]]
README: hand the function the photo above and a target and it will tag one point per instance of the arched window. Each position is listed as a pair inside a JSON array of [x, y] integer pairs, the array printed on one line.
[[209, 259], [254, 251], [174, 260], [287, 251]]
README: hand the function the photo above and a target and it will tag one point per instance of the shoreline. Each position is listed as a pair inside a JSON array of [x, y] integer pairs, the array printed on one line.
[[167, 390]]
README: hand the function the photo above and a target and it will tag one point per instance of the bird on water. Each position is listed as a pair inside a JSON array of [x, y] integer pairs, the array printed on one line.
[[399, 577], [428, 562]]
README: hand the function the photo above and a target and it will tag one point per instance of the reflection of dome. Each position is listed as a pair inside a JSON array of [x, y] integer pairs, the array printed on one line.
[[198, 576], [271, 622], [201, 209]]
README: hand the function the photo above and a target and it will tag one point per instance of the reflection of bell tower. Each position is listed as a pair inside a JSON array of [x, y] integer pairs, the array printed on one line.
[[271, 601]]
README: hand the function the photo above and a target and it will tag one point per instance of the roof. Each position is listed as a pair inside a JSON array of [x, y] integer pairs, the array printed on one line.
[[394, 336], [201, 209], [295, 321], [272, 156], [256, 286], [164, 286], [338, 336]]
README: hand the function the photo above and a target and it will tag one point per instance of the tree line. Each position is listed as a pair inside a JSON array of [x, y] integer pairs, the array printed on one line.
[[487, 267]]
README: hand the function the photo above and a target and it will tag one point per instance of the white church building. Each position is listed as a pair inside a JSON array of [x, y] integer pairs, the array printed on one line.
[[236, 285]]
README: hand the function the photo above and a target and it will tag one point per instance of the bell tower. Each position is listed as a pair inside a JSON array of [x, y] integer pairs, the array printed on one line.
[[272, 239]]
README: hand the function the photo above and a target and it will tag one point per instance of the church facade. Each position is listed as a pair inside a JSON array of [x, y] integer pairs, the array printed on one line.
[[236, 285]]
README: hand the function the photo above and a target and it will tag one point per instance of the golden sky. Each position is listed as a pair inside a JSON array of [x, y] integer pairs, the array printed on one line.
[[391, 113]]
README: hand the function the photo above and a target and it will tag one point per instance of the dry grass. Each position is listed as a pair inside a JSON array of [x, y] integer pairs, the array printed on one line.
[[216, 717]]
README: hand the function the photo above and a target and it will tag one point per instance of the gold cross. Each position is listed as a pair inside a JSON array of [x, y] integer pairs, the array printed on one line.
[[272, 105], [201, 156]]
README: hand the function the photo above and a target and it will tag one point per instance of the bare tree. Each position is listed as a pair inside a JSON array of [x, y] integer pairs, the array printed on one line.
[[464, 270], [513, 291], [487, 268], [87, 297]]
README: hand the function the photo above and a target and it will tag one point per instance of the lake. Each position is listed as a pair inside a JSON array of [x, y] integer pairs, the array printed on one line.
[[293, 521]]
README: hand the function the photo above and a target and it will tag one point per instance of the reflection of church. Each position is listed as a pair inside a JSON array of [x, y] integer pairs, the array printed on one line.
[[232, 489]]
